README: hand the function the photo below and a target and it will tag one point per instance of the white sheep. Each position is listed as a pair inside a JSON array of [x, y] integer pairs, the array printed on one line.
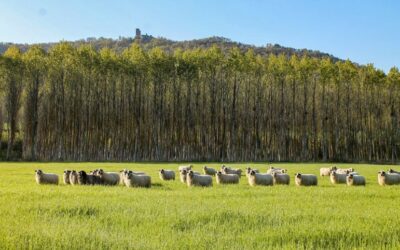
[[344, 170], [73, 178], [337, 178], [134, 180], [183, 174], [187, 168], [282, 179], [388, 178], [193, 179], [124, 173], [255, 179], [226, 178], [45, 178], [167, 175], [326, 171], [209, 171], [306, 179], [355, 180], [276, 170], [66, 176], [108, 178], [228, 170]]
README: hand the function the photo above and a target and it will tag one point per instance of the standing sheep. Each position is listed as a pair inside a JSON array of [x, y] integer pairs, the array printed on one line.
[[306, 179], [338, 178], [355, 180], [209, 171], [388, 179], [276, 170], [282, 179], [183, 175], [87, 179], [133, 180], [167, 175], [256, 179], [43, 178], [327, 171], [226, 178], [228, 170], [66, 176], [108, 178], [73, 178], [193, 179]]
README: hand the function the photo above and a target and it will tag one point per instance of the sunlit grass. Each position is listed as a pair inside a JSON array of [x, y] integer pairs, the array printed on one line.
[[172, 216]]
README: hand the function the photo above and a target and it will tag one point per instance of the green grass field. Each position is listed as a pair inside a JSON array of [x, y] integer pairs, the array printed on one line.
[[172, 216]]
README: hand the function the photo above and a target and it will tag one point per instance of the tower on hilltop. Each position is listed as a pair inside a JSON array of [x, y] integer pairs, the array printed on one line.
[[138, 35]]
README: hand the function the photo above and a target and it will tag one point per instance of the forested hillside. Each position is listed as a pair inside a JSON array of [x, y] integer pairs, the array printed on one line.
[[80, 103], [149, 42]]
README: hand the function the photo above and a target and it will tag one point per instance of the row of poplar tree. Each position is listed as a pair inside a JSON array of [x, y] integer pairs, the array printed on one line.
[[195, 105]]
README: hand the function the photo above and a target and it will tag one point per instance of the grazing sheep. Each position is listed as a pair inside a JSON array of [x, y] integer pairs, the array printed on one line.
[[338, 178], [388, 178], [392, 171], [193, 179], [226, 178], [327, 171], [73, 178], [282, 179], [43, 178], [306, 179], [167, 175], [355, 180], [66, 176], [228, 170], [276, 170], [108, 178], [344, 170], [87, 179], [248, 170], [187, 168], [256, 179], [134, 180], [209, 171]]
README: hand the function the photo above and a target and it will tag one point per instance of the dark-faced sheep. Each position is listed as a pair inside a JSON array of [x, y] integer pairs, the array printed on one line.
[[355, 180], [306, 179], [167, 175]]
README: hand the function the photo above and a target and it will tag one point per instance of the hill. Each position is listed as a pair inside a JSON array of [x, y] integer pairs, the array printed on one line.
[[148, 42]]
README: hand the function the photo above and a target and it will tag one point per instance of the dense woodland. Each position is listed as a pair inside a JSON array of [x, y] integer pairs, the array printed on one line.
[[79, 103]]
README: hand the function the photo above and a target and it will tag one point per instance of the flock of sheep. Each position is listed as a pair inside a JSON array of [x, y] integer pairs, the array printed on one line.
[[226, 175]]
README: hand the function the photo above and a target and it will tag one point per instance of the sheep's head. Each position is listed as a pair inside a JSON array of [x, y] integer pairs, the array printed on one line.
[[391, 170], [248, 170], [298, 175], [382, 173], [205, 167], [333, 173], [252, 172], [38, 171], [219, 173], [190, 173], [81, 173], [162, 171], [67, 171], [350, 176], [184, 171]]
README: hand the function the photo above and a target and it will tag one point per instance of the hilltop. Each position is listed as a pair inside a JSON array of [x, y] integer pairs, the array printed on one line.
[[148, 42]]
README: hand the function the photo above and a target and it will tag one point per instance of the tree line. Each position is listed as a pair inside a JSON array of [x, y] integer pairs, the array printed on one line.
[[81, 104]]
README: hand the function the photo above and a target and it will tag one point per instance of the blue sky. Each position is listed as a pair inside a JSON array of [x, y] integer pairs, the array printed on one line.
[[363, 31]]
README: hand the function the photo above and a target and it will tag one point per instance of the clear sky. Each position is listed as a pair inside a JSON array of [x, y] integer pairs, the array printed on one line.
[[363, 31]]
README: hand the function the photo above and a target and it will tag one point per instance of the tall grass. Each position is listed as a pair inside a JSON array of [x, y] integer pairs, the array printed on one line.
[[172, 216]]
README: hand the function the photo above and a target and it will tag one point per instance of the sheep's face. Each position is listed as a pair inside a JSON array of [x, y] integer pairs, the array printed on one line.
[[274, 174], [184, 171], [248, 170], [100, 172], [67, 171], [190, 173], [382, 173], [333, 173], [350, 176], [162, 171], [205, 167], [390, 170], [252, 172], [219, 173], [39, 172], [298, 175]]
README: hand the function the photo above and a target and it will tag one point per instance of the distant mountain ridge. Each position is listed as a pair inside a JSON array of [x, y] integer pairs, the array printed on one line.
[[148, 42]]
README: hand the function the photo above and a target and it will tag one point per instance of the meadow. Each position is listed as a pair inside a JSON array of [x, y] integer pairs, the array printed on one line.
[[170, 215]]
